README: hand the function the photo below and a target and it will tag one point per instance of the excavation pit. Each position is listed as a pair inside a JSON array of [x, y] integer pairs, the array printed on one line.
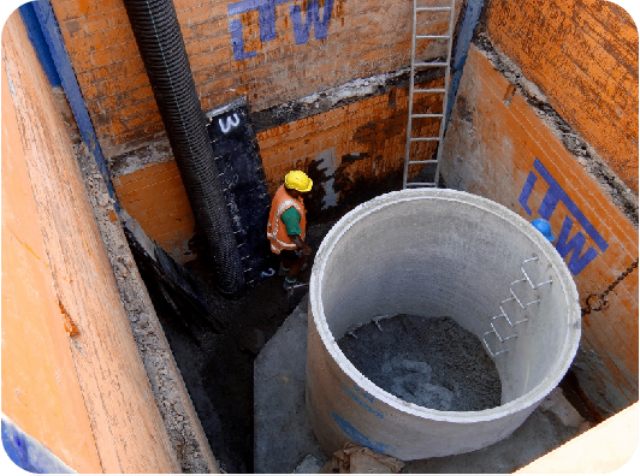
[[435, 253]]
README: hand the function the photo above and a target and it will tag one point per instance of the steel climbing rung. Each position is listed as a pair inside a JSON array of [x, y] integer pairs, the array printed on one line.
[[433, 37], [421, 184], [412, 162], [505, 339], [493, 354], [424, 139], [506, 316], [432, 65], [432, 90], [526, 275], [433, 9], [425, 116]]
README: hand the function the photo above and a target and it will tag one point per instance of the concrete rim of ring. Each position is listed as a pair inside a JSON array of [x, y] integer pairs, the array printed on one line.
[[532, 397]]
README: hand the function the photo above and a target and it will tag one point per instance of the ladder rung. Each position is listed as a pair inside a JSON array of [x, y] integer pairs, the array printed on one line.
[[424, 139], [433, 90], [422, 184], [412, 162], [433, 9], [426, 116], [432, 37], [431, 65]]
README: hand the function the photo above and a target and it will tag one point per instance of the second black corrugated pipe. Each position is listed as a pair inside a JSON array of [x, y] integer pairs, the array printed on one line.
[[157, 31]]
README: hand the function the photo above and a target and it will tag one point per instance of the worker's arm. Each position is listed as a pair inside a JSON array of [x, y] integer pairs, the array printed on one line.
[[291, 219], [306, 249]]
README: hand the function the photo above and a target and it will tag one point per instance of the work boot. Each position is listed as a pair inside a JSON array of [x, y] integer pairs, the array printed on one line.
[[290, 284], [283, 270]]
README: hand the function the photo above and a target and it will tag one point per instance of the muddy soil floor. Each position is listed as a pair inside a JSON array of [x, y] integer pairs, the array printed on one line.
[[217, 368]]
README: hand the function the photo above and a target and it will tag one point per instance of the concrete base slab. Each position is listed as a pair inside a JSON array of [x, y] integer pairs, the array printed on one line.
[[283, 439], [282, 435], [310, 465]]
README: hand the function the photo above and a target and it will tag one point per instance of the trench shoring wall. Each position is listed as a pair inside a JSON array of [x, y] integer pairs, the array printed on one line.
[[583, 54], [72, 376], [156, 198]]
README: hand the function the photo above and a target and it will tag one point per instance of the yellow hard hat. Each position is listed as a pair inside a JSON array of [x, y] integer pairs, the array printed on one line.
[[298, 180]]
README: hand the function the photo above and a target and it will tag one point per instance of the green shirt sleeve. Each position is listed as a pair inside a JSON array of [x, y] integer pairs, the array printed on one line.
[[291, 219]]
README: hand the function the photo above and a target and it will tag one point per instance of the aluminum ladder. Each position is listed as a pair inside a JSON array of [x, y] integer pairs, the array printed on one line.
[[420, 10]]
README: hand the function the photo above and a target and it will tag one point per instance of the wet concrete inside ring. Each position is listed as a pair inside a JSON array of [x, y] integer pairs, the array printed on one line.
[[432, 362]]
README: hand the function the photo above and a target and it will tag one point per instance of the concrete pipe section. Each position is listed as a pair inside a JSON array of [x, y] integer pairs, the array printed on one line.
[[433, 253]]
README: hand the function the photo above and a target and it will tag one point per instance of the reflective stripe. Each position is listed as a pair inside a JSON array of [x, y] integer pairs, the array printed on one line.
[[291, 246]]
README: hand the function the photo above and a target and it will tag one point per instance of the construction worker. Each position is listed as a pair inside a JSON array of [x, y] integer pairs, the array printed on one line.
[[287, 226]]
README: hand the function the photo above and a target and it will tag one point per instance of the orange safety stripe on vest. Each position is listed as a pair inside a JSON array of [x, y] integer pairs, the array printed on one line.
[[276, 231]]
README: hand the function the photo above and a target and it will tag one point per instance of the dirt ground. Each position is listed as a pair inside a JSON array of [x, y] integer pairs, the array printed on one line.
[[218, 368]]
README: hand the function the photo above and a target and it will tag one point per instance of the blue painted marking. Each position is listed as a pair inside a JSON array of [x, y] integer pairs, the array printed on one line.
[[266, 15], [267, 20], [565, 246], [360, 438], [470, 19], [237, 41], [250, 5], [320, 27], [364, 393], [28, 453], [363, 404], [51, 33], [526, 192], [39, 43], [555, 194]]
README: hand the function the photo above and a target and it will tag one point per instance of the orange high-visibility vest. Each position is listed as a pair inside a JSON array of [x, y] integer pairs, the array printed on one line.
[[276, 231]]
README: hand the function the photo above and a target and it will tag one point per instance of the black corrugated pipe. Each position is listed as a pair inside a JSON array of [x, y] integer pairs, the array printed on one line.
[[155, 26]]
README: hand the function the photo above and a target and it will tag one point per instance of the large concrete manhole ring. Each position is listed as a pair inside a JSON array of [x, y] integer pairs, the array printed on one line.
[[437, 253]]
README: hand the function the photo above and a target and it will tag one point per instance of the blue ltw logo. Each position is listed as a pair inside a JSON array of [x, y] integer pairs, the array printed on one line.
[[267, 18], [555, 194]]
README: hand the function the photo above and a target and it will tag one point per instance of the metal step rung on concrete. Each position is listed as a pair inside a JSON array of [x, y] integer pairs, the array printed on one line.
[[506, 317], [523, 306], [495, 331], [414, 162], [424, 139], [433, 90], [528, 279], [486, 344], [427, 115]]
